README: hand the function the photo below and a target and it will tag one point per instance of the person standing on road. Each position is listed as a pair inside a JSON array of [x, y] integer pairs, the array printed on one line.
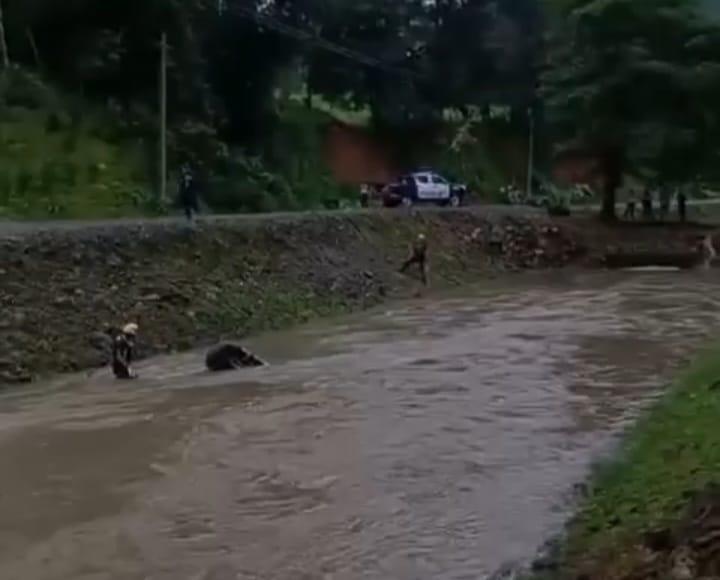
[[682, 205], [123, 351], [418, 255], [647, 205], [630, 207], [187, 191], [665, 200]]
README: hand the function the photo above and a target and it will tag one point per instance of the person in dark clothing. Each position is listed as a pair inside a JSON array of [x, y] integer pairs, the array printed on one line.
[[682, 205], [123, 351], [187, 190], [665, 200], [418, 255], [647, 205], [630, 208]]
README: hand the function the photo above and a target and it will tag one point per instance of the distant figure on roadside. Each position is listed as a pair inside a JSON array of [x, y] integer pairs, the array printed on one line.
[[647, 205], [123, 351], [708, 251], [188, 192], [682, 205], [665, 200], [630, 207], [364, 195], [229, 356], [418, 255]]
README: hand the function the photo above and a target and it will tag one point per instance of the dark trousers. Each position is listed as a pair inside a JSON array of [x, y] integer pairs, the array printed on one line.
[[629, 211], [190, 205], [420, 261]]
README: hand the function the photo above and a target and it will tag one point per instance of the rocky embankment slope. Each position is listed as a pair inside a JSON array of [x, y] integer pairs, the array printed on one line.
[[62, 289]]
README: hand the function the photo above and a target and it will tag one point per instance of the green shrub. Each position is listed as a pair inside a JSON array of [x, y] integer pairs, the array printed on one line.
[[23, 181]]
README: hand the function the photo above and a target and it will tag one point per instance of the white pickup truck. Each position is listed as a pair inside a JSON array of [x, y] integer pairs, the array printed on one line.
[[423, 187]]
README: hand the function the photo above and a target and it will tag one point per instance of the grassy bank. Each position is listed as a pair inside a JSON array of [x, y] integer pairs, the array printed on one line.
[[635, 520], [63, 156]]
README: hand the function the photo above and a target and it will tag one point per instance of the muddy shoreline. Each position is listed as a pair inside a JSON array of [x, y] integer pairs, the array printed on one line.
[[62, 289]]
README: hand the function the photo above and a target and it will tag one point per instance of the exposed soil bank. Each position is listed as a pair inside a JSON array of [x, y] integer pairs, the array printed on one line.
[[62, 288], [654, 511]]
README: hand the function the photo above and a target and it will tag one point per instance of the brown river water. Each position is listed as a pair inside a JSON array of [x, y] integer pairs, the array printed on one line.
[[435, 439]]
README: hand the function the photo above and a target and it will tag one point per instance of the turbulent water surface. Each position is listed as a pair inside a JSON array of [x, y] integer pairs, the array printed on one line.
[[435, 439]]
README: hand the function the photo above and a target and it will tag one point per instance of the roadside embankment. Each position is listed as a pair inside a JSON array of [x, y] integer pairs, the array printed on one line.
[[654, 511], [64, 286]]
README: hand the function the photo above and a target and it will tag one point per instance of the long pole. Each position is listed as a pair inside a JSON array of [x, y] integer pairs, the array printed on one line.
[[163, 118], [4, 54], [531, 153]]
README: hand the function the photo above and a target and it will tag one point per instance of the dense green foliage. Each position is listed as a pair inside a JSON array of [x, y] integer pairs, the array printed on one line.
[[635, 85], [632, 84]]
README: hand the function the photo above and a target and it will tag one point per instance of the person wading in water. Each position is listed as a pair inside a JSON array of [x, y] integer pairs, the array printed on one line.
[[708, 251], [418, 255], [123, 351]]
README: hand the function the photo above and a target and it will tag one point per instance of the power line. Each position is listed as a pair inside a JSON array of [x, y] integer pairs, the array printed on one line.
[[271, 23]]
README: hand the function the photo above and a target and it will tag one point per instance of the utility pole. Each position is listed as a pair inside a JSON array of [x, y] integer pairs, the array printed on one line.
[[4, 55], [531, 153], [162, 193]]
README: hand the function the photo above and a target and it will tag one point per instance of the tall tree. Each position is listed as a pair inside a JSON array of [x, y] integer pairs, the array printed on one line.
[[629, 84]]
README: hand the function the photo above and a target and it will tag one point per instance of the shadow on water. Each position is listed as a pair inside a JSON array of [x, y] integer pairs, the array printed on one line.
[[434, 439]]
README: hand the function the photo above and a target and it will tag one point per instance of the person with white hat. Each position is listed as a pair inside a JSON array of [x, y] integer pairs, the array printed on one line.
[[418, 255], [123, 350]]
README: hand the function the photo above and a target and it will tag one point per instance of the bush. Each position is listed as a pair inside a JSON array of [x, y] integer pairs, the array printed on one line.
[[19, 88], [6, 186], [23, 181], [68, 174]]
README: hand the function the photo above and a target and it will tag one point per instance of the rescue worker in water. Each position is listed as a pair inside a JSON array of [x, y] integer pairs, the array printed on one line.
[[418, 255], [123, 352], [707, 250]]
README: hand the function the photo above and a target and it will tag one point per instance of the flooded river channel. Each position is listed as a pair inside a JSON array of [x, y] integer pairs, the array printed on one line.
[[435, 439]]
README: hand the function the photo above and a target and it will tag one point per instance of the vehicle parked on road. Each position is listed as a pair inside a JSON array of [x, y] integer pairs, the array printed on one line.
[[424, 187]]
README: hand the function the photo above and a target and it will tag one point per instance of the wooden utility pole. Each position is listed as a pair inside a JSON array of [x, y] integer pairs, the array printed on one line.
[[531, 153], [4, 55], [162, 193]]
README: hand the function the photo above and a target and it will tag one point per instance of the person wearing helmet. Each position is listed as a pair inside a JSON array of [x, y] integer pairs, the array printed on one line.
[[122, 352], [418, 255]]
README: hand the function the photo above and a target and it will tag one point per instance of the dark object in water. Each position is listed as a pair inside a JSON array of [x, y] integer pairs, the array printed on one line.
[[682, 260], [228, 357]]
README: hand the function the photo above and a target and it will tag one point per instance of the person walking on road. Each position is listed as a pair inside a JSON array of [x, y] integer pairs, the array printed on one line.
[[630, 207], [187, 190], [647, 205], [682, 205], [418, 255], [123, 351]]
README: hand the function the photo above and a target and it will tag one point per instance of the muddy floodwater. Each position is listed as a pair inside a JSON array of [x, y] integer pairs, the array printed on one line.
[[434, 439]]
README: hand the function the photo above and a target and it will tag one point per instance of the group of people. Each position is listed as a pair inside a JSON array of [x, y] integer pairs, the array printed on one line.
[[230, 356], [647, 203]]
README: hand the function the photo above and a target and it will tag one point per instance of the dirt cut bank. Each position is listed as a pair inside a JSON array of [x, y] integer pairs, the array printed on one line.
[[63, 289]]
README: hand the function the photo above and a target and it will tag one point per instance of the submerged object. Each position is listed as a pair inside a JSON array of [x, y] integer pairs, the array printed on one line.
[[678, 260], [229, 356]]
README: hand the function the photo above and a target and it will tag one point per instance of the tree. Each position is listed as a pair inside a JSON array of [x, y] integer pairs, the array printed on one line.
[[3, 42], [632, 85]]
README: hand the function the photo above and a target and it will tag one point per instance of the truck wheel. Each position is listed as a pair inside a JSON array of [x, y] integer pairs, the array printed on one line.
[[407, 201], [455, 200]]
